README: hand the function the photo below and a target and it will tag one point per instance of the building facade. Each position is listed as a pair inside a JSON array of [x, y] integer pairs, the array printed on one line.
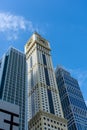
[[13, 82], [44, 108], [9, 116], [74, 107]]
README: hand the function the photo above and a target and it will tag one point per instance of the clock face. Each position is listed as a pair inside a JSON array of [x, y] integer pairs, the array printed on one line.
[[42, 41]]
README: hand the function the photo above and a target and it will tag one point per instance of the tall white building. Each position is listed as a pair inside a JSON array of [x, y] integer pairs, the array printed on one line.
[[44, 108]]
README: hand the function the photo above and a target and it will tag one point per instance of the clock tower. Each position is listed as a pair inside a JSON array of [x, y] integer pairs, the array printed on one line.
[[44, 107]]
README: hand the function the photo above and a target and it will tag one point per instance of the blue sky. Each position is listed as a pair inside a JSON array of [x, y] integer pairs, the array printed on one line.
[[62, 22]]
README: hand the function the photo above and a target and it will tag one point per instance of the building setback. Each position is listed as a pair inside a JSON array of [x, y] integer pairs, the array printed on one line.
[[13, 81], [74, 107], [44, 107]]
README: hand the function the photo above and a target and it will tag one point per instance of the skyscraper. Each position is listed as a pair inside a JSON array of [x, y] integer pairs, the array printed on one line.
[[13, 81], [44, 108], [74, 108]]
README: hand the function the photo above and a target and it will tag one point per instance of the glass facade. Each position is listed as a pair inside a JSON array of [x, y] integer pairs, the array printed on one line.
[[48, 83], [3, 76], [50, 101], [13, 82], [72, 101]]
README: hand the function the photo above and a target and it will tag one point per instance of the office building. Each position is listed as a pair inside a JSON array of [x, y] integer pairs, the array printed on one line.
[[44, 108], [13, 82], [74, 107]]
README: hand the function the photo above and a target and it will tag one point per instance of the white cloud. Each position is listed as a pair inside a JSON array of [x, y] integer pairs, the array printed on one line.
[[11, 22], [10, 25]]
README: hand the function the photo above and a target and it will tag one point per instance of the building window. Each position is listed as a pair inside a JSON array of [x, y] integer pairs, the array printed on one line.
[[44, 59], [50, 101]]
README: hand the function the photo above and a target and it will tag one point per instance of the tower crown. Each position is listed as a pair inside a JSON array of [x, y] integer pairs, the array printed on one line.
[[36, 39]]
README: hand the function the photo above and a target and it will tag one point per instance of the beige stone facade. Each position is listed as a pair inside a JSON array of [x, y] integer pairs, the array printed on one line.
[[46, 121], [44, 107]]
